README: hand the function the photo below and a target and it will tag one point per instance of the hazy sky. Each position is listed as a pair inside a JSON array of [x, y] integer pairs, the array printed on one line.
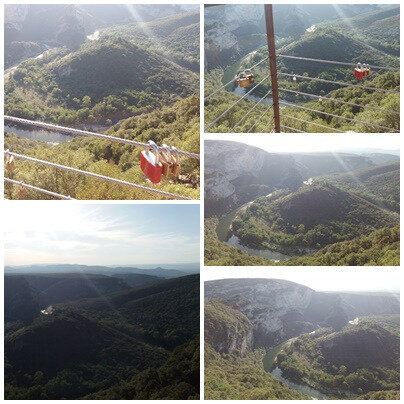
[[309, 142], [114, 234], [320, 279]]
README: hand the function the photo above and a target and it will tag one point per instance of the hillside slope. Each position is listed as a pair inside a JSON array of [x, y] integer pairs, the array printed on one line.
[[229, 357], [92, 345], [111, 78], [175, 37], [312, 217], [177, 125], [332, 45], [359, 358], [54, 288], [380, 247], [280, 310], [380, 184], [21, 301], [239, 173]]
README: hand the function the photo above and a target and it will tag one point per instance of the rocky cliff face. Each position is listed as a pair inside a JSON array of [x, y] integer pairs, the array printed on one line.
[[227, 330], [273, 307], [231, 31], [279, 310], [236, 173]]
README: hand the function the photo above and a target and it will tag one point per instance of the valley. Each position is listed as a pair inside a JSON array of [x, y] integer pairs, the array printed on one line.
[[240, 42], [137, 79], [87, 335], [300, 209], [298, 342]]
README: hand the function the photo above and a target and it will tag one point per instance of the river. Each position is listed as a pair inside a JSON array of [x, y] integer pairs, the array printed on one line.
[[268, 363], [41, 135], [224, 234]]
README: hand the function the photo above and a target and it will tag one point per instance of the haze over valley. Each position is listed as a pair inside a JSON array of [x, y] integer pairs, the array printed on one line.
[[317, 48], [298, 343], [129, 71], [308, 208], [102, 331]]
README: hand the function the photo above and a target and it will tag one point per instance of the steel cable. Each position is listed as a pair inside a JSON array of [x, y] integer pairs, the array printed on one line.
[[251, 109], [231, 81], [80, 132], [43, 191], [340, 83], [98, 176], [340, 101], [233, 105], [394, 69], [340, 117]]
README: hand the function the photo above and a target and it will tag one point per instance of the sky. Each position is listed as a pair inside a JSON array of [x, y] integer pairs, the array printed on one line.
[[49, 232], [320, 142], [320, 279]]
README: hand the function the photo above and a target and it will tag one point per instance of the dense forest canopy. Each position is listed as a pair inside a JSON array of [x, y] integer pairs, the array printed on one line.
[[138, 81], [333, 360], [276, 339], [350, 39], [315, 209], [133, 342]]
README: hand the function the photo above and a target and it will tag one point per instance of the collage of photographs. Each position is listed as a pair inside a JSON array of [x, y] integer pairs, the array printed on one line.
[[201, 201]]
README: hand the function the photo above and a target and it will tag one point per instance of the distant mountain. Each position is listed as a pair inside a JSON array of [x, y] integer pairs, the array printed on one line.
[[88, 269], [59, 23], [279, 309], [312, 217], [341, 344], [239, 173], [326, 43], [45, 25], [334, 360], [136, 280], [382, 158], [50, 289], [121, 339], [232, 31]]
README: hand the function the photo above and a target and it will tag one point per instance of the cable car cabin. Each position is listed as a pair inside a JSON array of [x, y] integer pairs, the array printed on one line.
[[359, 71], [245, 78]]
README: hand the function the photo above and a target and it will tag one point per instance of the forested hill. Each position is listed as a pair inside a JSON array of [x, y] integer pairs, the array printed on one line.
[[361, 357], [331, 44], [175, 37], [107, 79], [348, 40], [140, 343], [121, 73], [232, 31], [31, 29], [312, 217], [380, 29], [308, 334]]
